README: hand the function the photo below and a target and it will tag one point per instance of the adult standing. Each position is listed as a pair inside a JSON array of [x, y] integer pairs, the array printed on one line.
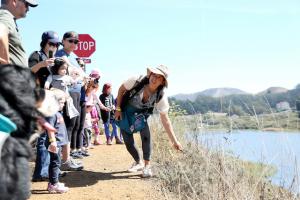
[[69, 42], [40, 61], [11, 49]]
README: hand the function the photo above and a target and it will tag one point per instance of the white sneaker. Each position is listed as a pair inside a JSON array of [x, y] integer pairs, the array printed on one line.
[[136, 167], [147, 172]]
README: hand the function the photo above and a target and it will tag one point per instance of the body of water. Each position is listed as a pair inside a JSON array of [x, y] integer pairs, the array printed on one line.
[[279, 149]]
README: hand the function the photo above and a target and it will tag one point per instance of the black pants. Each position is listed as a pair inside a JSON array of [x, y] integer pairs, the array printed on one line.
[[54, 165], [72, 125], [82, 112], [146, 144]]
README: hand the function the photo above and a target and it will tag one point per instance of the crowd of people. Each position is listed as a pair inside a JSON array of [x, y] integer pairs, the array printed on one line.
[[64, 106]]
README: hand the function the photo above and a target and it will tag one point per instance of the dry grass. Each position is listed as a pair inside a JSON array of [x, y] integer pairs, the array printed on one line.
[[208, 175]]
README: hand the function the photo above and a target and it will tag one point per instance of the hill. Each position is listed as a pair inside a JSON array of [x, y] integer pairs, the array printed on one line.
[[212, 92], [273, 90]]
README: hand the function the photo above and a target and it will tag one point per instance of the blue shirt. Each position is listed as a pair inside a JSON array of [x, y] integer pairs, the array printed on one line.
[[57, 121]]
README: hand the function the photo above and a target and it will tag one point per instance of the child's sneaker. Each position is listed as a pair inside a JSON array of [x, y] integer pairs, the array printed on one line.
[[57, 188], [147, 172], [109, 142], [136, 167], [96, 142]]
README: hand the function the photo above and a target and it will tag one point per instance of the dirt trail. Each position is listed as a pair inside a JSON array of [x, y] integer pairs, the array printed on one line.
[[104, 177]]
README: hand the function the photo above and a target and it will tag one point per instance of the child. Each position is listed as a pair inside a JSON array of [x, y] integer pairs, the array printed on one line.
[[59, 78], [95, 125], [54, 141], [108, 116], [87, 126]]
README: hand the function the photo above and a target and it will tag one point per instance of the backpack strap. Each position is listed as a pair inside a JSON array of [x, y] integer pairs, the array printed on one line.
[[139, 84]]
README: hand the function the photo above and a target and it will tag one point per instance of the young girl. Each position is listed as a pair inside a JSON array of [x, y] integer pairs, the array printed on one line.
[[95, 125], [108, 116], [59, 78]]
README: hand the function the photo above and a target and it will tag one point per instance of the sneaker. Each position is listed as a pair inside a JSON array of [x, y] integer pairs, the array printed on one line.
[[118, 141], [84, 153], [147, 172], [97, 142], [57, 188], [70, 165], [109, 142], [136, 167], [76, 155]]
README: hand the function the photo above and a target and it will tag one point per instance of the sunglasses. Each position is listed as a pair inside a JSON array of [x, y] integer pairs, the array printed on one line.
[[53, 44], [73, 41]]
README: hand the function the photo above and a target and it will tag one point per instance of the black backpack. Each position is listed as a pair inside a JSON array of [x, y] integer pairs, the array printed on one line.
[[140, 83]]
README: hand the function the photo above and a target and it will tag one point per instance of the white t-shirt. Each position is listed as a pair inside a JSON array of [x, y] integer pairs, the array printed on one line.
[[162, 106]]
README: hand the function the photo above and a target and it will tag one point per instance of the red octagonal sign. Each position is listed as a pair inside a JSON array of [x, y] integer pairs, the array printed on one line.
[[86, 46]]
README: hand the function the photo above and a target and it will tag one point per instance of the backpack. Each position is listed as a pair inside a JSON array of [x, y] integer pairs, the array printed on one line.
[[133, 119], [139, 84]]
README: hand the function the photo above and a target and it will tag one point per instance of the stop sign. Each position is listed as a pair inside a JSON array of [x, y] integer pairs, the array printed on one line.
[[86, 46]]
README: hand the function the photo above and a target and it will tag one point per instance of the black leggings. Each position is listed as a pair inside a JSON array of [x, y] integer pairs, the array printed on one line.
[[82, 112], [146, 144], [72, 125]]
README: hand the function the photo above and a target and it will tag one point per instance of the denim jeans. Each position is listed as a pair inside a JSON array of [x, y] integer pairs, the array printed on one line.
[[42, 158], [114, 129], [55, 161]]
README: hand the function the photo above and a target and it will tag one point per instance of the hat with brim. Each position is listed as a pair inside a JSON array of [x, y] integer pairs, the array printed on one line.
[[71, 35], [32, 3], [161, 70], [51, 36]]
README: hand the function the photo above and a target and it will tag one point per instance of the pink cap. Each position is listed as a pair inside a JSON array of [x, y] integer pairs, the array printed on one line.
[[95, 73]]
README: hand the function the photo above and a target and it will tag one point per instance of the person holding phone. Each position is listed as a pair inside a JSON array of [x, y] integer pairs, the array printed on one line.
[[39, 61]]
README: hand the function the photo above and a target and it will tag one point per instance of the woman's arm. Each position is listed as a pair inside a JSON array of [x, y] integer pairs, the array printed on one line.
[[169, 129], [103, 107], [118, 111]]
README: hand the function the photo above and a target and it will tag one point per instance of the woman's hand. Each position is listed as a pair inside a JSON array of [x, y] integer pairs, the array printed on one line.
[[48, 62], [118, 115], [177, 146]]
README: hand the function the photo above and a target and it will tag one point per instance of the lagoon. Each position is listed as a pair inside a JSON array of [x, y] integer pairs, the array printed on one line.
[[279, 149]]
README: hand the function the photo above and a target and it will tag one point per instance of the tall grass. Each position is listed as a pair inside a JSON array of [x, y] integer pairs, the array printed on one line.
[[199, 173]]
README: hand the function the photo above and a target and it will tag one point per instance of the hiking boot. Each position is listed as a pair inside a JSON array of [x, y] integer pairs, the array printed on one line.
[[57, 188], [76, 155], [147, 172], [70, 165], [136, 167]]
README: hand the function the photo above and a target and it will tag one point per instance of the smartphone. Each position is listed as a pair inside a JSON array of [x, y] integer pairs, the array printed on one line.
[[50, 54]]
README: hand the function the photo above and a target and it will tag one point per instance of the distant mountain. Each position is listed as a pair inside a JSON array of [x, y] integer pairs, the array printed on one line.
[[273, 90], [212, 92], [221, 92]]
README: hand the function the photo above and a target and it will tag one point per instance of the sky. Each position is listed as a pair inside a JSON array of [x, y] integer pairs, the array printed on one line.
[[245, 44]]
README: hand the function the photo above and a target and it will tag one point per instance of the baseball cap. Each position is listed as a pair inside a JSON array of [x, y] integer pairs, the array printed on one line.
[[70, 35], [50, 36], [32, 3]]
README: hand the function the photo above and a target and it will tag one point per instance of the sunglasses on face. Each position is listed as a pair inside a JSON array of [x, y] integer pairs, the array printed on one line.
[[73, 41], [53, 44]]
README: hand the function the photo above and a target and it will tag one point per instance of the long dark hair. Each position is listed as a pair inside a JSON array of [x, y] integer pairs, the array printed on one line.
[[58, 62]]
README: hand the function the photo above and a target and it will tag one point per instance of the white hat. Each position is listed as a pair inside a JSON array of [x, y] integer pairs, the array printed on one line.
[[161, 70]]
